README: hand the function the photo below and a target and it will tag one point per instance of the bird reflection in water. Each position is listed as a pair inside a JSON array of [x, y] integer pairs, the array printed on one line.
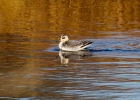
[[66, 55]]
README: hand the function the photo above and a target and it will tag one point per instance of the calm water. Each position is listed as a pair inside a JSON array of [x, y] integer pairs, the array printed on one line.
[[33, 68]]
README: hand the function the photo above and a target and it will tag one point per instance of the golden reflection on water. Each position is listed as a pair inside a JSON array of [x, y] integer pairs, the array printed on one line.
[[27, 27], [69, 16]]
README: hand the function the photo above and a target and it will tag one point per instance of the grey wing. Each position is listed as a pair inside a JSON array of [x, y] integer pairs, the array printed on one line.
[[85, 43], [73, 44]]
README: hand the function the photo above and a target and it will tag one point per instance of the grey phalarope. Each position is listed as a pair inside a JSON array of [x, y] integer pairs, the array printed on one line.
[[72, 45]]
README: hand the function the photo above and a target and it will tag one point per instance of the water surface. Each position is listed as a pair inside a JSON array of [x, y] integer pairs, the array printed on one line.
[[33, 67]]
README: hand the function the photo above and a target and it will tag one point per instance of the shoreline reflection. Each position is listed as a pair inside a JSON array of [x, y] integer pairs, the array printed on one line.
[[65, 56]]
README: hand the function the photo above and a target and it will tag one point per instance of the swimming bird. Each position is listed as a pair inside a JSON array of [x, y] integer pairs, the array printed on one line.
[[72, 45]]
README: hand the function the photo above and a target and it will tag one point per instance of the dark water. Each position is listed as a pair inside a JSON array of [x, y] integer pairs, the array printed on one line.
[[33, 68]]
